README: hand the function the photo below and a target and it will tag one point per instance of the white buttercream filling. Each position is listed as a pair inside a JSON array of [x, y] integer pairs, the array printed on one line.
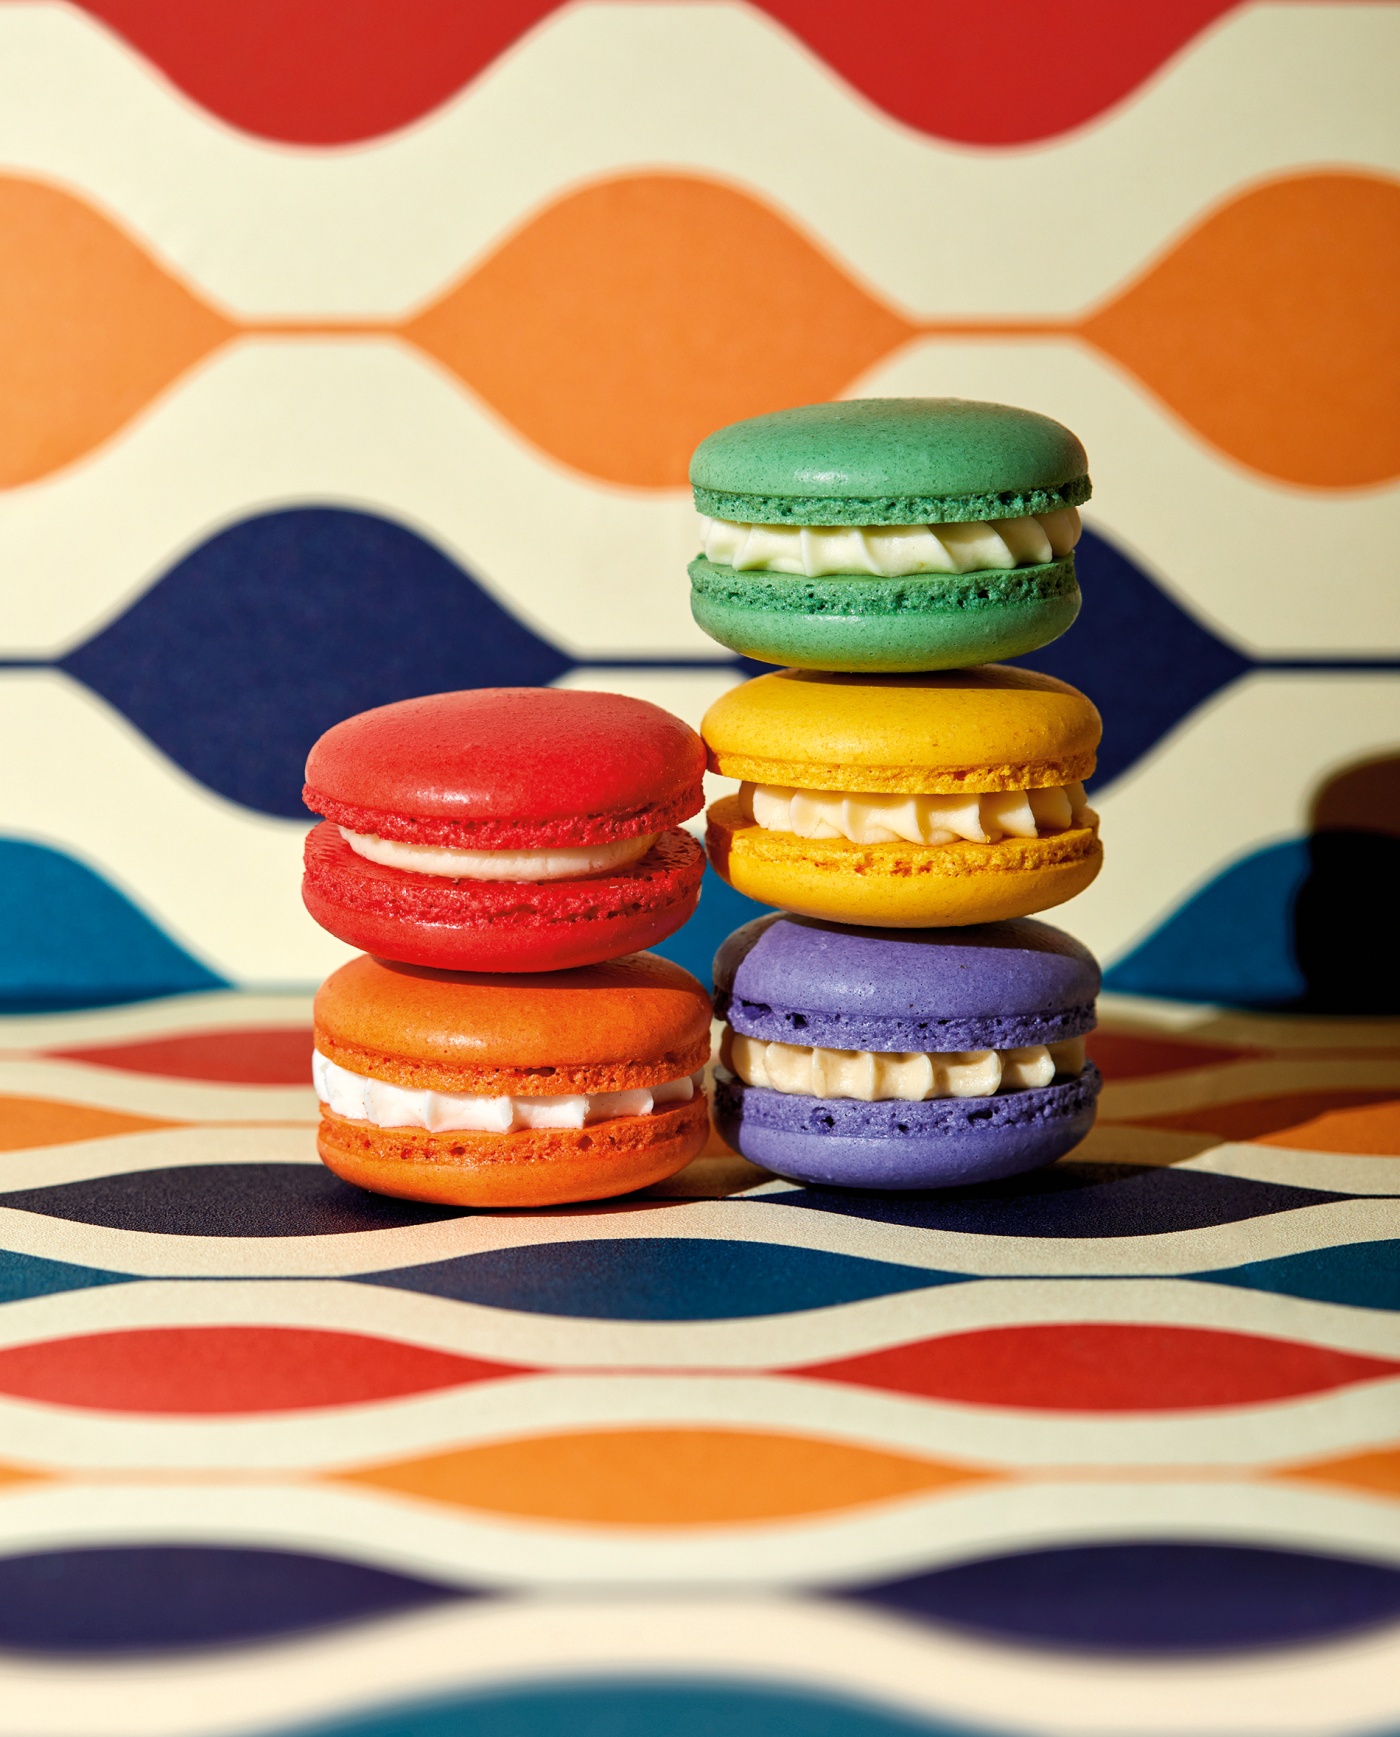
[[877, 818], [361, 1099], [914, 1076], [555, 862], [890, 551]]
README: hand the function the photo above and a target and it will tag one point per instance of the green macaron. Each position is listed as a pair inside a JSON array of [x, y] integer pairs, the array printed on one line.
[[888, 534]]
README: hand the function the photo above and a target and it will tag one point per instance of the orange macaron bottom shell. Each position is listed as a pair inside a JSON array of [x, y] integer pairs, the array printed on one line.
[[466, 925], [527, 1168]]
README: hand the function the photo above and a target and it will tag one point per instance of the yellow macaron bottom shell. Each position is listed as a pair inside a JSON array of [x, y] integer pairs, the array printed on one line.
[[531, 1167], [900, 886]]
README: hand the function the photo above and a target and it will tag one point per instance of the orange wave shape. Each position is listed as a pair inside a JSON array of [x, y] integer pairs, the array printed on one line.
[[715, 1477], [664, 1477], [29, 1122], [1376, 1473], [603, 333], [1361, 1123]]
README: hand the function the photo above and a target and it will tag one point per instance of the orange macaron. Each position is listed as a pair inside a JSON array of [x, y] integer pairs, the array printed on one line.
[[520, 1090]]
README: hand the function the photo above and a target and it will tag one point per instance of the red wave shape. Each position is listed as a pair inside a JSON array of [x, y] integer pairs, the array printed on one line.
[[271, 1055], [334, 72], [230, 1369], [321, 72], [1104, 1366], [1053, 67], [1123, 1056]]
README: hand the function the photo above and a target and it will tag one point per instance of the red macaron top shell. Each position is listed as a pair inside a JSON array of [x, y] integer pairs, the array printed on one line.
[[508, 768]]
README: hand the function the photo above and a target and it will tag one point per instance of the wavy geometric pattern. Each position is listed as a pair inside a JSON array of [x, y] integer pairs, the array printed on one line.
[[1269, 328], [321, 612], [1138, 1409], [351, 353], [377, 72], [234, 661]]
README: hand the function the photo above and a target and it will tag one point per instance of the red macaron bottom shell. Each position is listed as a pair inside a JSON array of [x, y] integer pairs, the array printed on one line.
[[500, 925], [531, 1167]]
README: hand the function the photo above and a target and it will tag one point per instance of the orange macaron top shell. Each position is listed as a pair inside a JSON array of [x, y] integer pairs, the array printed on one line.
[[508, 769], [636, 1021]]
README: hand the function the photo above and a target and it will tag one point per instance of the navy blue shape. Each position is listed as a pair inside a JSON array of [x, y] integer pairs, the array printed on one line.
[[1232, 941], [1071, 1200], [1175, 1597], [1365, 1275], [153, 1597], [720, 912], [1143, 659], [69, 939], [675, 1707], [275, 629], [23, 1275], [660, 1279], [226, 1200]]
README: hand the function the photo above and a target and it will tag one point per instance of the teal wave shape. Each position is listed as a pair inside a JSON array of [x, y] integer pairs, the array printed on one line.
[[1363, 1275], [23, 1276], [69, 939]]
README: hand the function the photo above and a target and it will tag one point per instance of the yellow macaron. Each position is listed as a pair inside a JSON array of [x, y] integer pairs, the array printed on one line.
[[905, 801]]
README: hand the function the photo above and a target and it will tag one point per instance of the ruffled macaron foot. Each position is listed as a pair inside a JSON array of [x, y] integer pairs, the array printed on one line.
[[528, 1168], [922, 621], [946, 1143], [467, 925], [900, 885]]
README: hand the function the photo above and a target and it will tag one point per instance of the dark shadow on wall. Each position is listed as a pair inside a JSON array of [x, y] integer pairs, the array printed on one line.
[[1307, 924], [1346, 915]]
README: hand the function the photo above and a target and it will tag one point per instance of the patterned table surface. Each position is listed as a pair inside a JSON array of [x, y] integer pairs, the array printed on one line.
[[1114, 1448]]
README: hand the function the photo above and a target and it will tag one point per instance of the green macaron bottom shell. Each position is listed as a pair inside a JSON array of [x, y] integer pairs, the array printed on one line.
[[922, 621], [744, 509]]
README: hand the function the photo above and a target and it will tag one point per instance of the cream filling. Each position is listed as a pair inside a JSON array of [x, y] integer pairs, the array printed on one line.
[[871, 1075], [981, 817], [555, 862], [361, 1099], [890, 551]]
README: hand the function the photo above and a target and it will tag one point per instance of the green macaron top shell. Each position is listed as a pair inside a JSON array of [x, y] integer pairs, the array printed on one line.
[[889, 461]]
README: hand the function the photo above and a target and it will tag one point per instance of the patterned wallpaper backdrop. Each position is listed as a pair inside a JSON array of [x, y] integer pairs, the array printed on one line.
[[352, 349], [349, 352]]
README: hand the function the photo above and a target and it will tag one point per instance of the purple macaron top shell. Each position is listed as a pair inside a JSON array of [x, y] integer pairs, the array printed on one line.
[[988, 986]]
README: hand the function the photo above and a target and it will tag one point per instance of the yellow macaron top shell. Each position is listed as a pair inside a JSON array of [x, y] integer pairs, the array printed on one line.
[[990, 728]]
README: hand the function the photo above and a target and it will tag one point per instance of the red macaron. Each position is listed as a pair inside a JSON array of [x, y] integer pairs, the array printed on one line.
[[505, 829]]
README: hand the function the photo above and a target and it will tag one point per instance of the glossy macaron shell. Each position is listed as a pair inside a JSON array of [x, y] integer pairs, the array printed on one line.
[[481, 925], [790, 979], [637, 1021], [945, 732], [889, 461], [632, 1021], [508, 768]]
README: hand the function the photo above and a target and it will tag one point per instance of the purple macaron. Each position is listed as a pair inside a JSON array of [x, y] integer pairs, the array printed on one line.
[[1020, 989]]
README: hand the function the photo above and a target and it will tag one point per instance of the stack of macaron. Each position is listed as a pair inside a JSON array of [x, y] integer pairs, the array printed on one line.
[[904, 800], [501, 855]]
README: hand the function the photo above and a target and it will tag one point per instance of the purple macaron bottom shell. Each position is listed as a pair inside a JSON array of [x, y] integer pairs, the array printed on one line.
[[940, 1143]]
